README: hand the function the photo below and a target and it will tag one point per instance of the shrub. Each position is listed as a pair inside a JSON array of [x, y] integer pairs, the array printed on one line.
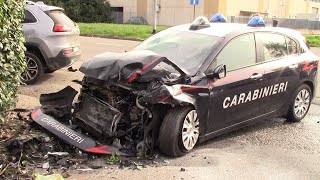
[[84, 10], [313, 40], [12, 58]]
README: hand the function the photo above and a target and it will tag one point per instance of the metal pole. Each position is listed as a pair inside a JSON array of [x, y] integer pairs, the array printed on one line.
[[194, 11], [154, 30]]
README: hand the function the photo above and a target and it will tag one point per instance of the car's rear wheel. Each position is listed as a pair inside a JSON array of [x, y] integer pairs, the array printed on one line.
[[34, 69], [300, 103], [179, 131]]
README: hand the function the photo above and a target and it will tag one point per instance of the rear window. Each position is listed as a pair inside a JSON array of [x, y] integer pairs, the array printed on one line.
[[59, 17], [274, 45], [28, 17]]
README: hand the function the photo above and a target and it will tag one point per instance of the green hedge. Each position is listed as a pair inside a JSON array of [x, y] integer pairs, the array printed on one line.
[[12, 58], [313, 40]]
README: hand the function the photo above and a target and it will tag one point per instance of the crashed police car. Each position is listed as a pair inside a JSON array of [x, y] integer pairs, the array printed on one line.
[[183, 86]]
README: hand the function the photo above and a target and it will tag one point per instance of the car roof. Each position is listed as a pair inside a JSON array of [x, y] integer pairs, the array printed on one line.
[[223, 29], [43, 6]]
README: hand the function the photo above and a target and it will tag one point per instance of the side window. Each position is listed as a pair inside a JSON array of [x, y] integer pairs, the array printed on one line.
[[239, 52], [292, 46], [274, 45], [28, 17]]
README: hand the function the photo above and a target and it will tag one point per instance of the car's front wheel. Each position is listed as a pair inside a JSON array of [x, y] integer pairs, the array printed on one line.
[[34, 69], [300, 103], [179, 131]]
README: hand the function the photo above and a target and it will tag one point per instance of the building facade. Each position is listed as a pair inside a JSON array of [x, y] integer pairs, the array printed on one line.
[[173, 12]]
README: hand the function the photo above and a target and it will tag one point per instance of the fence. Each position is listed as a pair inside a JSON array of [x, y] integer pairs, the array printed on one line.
[[282, 22], [175, 18]]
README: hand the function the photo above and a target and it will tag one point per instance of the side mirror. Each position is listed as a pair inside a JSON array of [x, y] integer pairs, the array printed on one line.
[[219, 72]]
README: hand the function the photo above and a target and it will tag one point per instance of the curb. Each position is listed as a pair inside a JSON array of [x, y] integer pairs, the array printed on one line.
[[111, 37]]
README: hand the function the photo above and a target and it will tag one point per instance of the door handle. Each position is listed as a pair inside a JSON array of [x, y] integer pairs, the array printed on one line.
[[256, 76], [293, 66]]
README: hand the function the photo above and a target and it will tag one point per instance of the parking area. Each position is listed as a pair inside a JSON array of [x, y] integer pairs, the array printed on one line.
[[272, 148]]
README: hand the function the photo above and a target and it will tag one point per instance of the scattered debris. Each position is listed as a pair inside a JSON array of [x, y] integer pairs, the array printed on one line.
[[46, 165], [49, 177], [24, 147], [84, 169], [183, 169], [63, 162], [71, 69], [58, 153]]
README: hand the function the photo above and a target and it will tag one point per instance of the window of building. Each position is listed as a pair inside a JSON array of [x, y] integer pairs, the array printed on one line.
[[239, 52], [274, 45], [315, 10], [29, 18]]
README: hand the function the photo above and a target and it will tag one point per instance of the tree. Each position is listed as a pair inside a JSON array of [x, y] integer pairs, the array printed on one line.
[[12, 58], [84, 10]]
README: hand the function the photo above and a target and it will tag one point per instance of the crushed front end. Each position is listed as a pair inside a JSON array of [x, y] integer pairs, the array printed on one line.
[[121, 101]]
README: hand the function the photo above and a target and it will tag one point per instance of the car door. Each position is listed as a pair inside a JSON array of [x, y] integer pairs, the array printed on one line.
[[281, 64], [234, 99]]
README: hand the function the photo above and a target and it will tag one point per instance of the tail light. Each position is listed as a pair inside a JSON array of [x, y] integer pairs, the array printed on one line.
[[68, 51], [61, 28]]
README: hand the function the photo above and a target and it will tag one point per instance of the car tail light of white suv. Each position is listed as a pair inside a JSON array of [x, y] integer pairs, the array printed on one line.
[[61, 28]]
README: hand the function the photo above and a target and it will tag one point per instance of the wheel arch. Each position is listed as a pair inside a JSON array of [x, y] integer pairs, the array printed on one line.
[[311, 85], [35, 50]]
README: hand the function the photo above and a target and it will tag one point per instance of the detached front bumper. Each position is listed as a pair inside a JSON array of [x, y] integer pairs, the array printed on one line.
[[72, 137]]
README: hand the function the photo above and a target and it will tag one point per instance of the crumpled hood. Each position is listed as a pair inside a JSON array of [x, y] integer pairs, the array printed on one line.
[[124, 66]]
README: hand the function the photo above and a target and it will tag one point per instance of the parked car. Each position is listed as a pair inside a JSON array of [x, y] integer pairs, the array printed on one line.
[[185, 85], [52, 40], [137, 20]]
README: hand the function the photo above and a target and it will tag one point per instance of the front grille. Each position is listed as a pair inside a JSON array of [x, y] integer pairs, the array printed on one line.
[[98, 115]]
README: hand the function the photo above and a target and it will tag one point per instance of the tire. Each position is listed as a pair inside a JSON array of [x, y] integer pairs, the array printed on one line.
[[300, 103], [170, 136], [34, 69], [48, 71]]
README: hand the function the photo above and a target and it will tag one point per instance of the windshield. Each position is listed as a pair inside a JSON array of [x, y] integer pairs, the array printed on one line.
[[186, 49]]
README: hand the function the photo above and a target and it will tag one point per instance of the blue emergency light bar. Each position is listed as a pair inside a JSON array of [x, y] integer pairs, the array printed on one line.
[[256, 21], [218, 18]]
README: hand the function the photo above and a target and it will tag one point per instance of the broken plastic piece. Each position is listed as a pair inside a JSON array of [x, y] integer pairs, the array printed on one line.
[[58, 104], [72, 137]]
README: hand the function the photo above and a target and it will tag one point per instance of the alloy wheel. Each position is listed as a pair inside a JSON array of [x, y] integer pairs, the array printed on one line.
[[190, 130], [31, 70], [302, 103]]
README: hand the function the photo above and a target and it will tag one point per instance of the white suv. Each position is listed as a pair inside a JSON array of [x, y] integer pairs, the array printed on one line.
[[52, 40]]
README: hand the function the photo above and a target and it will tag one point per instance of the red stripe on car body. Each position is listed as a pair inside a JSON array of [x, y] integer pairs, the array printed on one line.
[[164, 99], [139, 71], [307, 66]]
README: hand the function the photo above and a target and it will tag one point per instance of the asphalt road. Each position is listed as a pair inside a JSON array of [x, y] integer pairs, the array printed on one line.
[[271, 149]]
